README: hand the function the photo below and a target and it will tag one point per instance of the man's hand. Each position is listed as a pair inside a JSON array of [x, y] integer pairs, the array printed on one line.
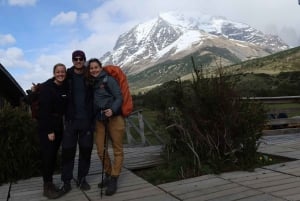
[[33, 87]]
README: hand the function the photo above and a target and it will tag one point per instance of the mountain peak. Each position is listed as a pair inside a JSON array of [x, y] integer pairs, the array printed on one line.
[[176, 34]]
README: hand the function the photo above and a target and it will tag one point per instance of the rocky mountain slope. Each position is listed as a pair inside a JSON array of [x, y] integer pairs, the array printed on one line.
[[156, 51], [174, 35]]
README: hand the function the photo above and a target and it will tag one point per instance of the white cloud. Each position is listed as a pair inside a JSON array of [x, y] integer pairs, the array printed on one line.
[[7, 39], [63, 18], [84, 16], [22, 2], [13, 58]]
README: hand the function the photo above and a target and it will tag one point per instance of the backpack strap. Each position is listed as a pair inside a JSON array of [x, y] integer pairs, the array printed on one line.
[[104, 82]]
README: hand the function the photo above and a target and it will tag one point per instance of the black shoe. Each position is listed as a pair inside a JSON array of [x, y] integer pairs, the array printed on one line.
[[105, 181], [50, 191], [83, 185], [65, 188], [112, 186]]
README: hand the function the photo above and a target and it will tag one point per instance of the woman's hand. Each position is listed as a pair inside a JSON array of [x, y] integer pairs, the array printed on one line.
[[108, 112], [51, 136]]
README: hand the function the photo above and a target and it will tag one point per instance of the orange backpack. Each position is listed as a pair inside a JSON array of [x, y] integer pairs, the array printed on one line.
[[119, 75]]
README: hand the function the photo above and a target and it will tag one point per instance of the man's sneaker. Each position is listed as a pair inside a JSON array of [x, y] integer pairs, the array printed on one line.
[[112, 186], [65, 188], [105, 181], [83, 185]]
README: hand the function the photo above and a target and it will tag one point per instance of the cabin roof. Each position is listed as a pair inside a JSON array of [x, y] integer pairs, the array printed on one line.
[[10, 90]]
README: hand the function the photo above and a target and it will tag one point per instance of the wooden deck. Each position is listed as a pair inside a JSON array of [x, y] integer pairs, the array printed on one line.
[[129, 184], [276, 182]]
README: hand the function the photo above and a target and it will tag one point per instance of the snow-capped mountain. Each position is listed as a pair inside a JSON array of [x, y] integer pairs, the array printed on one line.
[[173, 35]]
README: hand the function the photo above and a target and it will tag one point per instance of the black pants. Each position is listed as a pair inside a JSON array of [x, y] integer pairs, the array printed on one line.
[[49, 151], [81, 133]]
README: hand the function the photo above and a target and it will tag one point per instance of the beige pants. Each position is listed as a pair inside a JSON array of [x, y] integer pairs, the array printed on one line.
[[116, 128]]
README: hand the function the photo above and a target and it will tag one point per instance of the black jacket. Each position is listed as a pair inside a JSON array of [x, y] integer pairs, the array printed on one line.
[[70, 113], [52, 106]]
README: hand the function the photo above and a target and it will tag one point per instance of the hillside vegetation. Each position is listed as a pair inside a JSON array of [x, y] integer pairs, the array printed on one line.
[[274, 75], [285, 61], [173, 69], [263, 75]]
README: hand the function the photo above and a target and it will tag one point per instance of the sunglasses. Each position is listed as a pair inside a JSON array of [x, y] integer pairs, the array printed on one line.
[[78, 59]]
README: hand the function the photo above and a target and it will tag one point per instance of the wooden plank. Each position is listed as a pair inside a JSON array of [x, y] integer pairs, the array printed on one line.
[[238, 196], [283, 121], [131, 187], [269, 181], [262, 197], [135, 157], [4, 192], [293, 197], [283, 131], [208, 188], [280, 189], [277, 99], [224, 193], [249, 176], [286, 110]]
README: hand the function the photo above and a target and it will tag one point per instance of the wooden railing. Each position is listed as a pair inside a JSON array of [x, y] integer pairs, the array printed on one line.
[[136, 125], [278, 99], [283, 124]]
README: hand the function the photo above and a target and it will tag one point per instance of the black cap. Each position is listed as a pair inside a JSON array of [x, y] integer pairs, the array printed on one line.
[[78, 53]]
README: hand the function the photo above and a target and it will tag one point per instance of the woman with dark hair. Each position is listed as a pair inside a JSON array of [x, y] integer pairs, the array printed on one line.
[[107, 104], [52, 104]]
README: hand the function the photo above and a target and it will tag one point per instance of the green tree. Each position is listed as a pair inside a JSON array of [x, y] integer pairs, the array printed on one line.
[[19, 156]]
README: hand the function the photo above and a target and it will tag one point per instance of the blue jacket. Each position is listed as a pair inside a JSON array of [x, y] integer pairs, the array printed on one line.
[[107, 94]]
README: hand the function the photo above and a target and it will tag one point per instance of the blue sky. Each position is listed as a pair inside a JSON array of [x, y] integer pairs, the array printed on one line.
[[36, 34]]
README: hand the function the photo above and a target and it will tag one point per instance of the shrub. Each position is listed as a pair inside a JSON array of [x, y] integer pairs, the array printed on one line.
[[19, 156], [212, 125]]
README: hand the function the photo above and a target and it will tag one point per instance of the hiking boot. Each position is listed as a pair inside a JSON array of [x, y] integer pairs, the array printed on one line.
[[65, 188], [105, 181], [112, 186], [83, 185], [50, 191]]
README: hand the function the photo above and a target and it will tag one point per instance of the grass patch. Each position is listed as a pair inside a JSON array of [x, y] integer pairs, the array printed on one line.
[[170, 172]]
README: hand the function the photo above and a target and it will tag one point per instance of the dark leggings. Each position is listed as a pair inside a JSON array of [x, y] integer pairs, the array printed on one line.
[[49, 151]]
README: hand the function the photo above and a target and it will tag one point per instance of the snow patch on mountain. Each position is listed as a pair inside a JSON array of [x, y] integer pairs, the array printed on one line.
[[173, 34], [186, 41]]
